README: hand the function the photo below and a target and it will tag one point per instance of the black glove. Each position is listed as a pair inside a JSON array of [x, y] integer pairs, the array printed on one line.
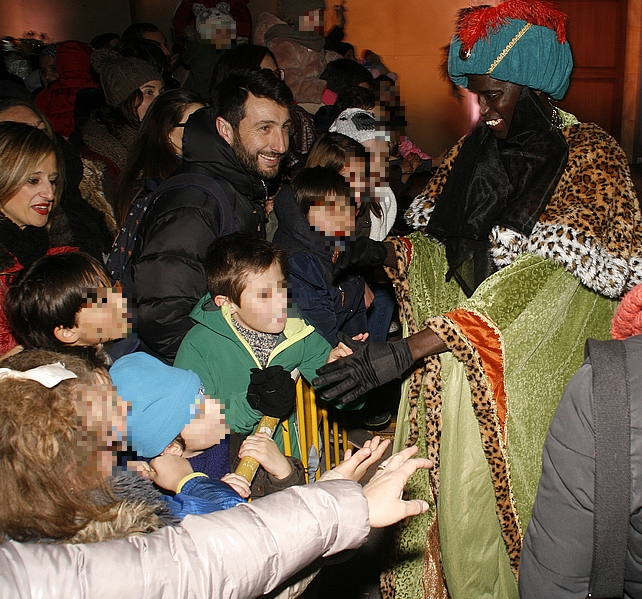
[[272, 391], [371, 365], [362, 253]]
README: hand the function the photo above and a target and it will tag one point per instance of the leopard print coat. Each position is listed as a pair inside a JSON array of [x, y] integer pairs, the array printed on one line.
[[591, 226]]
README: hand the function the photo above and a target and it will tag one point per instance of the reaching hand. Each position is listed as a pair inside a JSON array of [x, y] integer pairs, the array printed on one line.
[[265, 451], [384, 490], [272, 391], [371, 365], [354, 466]]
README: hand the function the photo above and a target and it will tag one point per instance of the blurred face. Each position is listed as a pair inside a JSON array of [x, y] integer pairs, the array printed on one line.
[[497, 101], [150, 90], [333, 215], [102, 425], [105, 316], [176, 134], [264, 302], [159, 38], [34, 201], [312, 20], [207, 427], [218, 32], [48, 71], [262, 138], [379, 151], [22, 114], [354, 173]]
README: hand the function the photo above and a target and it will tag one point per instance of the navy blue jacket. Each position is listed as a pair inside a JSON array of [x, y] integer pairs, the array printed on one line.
[[329, 305]]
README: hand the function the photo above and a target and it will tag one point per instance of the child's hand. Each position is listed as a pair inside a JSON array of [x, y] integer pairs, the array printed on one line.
[[238, 483], [272, 391], [265, 451], [354, 466], [342, 350], [168, 470]]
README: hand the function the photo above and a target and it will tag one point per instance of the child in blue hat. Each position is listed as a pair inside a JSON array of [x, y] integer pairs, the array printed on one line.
[[184, 433]]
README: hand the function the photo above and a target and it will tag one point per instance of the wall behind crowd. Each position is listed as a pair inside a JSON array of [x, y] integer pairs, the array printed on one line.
[[64, 19], [407, 35]]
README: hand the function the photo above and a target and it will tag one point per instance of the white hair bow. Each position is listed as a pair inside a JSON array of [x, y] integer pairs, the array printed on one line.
[[48, 376]]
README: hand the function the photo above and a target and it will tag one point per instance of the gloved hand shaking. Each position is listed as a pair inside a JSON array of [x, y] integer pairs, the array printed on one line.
[[371, 365], [362, 253], [272, 391]]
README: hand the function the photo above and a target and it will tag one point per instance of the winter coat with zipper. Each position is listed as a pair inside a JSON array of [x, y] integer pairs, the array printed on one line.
[[238, 553], [222, 359], [558, 546], [168, 260], [329, 305]]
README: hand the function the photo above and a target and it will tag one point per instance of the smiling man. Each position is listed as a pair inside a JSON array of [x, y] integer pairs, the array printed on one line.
[[239, 143]]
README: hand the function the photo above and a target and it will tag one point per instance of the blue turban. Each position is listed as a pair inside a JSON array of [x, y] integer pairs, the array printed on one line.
[[533, 57]]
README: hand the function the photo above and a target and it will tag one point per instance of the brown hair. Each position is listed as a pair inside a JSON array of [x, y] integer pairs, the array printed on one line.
[[330, 150], [314, 184], [9, 103], [230, 259], [44, 496], [22, 149]]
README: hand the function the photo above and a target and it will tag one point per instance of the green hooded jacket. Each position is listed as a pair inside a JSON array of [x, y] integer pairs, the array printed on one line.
[[220, 356]]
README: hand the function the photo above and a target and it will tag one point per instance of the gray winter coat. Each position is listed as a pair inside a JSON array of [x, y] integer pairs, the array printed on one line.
[[558, 546], [238, 553]]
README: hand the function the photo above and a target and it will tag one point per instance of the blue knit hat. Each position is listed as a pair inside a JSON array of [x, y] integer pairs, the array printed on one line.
[[519, 41], [162, 399]]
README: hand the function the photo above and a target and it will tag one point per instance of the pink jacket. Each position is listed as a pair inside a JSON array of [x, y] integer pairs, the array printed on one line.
[[239, 553]]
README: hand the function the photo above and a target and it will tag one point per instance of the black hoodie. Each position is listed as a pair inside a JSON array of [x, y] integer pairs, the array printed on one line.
[[168, 260]]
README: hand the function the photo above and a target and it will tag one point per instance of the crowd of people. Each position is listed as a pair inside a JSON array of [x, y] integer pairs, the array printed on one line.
[[185, 232]]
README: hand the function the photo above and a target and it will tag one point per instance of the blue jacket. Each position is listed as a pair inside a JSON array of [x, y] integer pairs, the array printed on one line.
[[329, 305], [202, 495]]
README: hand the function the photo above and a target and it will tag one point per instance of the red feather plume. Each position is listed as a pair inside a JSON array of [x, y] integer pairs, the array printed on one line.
[[479, 22]]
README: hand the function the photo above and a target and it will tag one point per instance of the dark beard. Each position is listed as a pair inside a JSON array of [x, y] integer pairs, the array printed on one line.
[[250, 162]]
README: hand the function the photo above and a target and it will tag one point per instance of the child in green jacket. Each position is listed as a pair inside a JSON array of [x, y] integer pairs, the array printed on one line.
[[243, 335]]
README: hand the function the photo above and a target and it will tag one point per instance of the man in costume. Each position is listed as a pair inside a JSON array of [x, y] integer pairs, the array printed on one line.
[[530, 234]]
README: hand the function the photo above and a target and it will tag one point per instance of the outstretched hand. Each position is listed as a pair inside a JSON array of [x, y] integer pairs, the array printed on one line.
[[385, 489], [371, 365], [354, 466]]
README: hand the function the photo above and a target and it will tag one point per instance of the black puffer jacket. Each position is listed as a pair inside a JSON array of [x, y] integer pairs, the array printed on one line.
[[168, 260]]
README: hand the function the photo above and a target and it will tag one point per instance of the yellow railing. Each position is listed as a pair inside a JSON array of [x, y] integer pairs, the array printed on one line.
[[315, 416]]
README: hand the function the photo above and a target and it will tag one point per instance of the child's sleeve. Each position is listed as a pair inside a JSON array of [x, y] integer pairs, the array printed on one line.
[[315, 355], [243, 417], [265, 484], [314, 298], [202, 495]]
